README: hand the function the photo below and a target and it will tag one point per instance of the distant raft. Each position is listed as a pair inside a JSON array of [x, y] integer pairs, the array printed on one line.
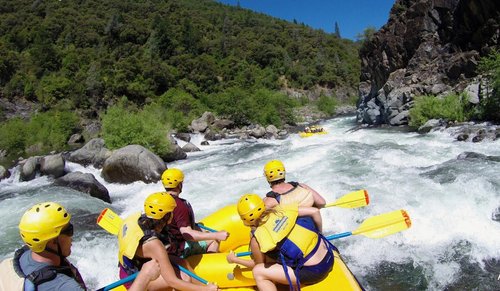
[[313, 130]]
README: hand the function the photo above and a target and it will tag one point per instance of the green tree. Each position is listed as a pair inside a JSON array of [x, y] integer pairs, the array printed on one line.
[[337, 30]]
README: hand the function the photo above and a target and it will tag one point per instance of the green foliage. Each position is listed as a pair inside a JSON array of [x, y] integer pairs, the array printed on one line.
[[451, 107], [261, 106], [94, 52], [177, 107], [327, 104], [490, 104], [49, 130], [124, 125], [367, 34]]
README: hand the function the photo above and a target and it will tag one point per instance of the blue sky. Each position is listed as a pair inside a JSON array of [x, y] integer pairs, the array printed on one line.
[[353, 16]]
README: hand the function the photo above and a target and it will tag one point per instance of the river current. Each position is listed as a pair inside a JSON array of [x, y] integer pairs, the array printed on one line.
[[454, 204]]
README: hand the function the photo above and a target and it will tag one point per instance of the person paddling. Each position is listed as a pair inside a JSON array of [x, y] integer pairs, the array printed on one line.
[[186, 239], [301, 253], [288, 192], [138, 243], [42, 263]]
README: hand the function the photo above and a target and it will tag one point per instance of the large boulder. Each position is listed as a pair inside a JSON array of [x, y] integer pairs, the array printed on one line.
[[52, 165], [176, 154], [29, 168], [133, 163], [202, 123], [86, 183], [93, 153]]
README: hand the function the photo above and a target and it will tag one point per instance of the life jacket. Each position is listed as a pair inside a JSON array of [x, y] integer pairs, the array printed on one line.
[[130, 235], [13, 278], [298, 194], [290, 239]]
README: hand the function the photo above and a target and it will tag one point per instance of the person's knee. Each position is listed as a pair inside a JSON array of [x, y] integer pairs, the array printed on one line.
[[259, 272]]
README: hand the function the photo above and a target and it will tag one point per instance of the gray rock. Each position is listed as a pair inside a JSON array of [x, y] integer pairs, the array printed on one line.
[[429, 125], [223, 123], [133, 163], [86, 183], [93, 153], [400, 119], [202, 123], [472, 91], [52, 165], [258, 131], [184, 136], [4, 173], [189, 147], [76, 139], [29, 168], [176, 154]]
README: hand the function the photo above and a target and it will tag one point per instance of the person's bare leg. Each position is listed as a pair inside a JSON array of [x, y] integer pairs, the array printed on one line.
[[212, 246], [268, 275]]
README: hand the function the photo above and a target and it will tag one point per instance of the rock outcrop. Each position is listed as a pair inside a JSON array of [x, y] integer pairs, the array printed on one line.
[[427, 47], [133, 163]]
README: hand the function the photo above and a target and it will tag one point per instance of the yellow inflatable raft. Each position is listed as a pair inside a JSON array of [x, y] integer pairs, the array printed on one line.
[[313, 131], [215, 268]]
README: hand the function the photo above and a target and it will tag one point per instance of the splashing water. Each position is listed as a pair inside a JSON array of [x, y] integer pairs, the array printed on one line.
[[453, 242]]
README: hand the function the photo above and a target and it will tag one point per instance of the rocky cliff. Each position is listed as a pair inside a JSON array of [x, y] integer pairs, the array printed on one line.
[[426, 47]]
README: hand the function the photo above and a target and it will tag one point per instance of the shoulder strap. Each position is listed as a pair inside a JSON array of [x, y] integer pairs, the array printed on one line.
[[294, 184]]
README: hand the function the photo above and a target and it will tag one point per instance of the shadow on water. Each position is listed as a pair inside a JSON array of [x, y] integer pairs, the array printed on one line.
[[448, 171], [471, 274], [394, 276]]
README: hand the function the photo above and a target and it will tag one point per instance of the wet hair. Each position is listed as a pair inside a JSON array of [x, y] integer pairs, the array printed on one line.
[[263, 218], [277, 182]]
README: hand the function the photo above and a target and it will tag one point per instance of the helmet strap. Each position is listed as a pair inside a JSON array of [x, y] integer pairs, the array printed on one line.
[[58, 252]]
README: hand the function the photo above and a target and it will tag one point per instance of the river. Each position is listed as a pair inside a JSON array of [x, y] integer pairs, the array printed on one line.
[[454, 242]]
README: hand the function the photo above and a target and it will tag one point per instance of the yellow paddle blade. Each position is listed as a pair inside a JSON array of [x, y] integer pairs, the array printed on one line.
[[352, 200], [110, 221], [384, 224]]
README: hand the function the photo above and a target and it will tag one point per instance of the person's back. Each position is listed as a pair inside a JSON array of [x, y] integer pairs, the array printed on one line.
[[285, 193], [60, 282], [186, 238]]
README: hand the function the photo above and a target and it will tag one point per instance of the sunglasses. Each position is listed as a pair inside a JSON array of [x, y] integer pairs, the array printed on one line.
[[68, 230]]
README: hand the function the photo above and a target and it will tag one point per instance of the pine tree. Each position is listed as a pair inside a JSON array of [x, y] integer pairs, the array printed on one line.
[[337, 29]]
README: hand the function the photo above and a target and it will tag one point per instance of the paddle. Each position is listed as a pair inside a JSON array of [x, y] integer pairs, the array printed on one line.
[[111, 222], [374, 227], [352, 200]]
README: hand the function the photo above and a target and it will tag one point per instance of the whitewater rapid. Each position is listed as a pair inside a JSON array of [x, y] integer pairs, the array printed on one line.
[[453, 241]]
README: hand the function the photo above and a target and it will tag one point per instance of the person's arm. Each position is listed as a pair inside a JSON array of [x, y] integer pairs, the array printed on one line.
[[270, 202], [149, 272], [314, 213], [195, 235], [319, 201], [232, 258], [257, 256], [154, 249]]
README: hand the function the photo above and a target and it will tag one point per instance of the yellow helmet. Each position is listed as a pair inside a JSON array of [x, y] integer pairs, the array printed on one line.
[[157, 205], [250, 207], [274, 171], [41, 223], [172, 177]]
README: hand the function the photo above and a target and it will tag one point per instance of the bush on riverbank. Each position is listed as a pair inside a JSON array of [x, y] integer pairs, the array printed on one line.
[[451, 107], [123, 125], [490, 106], [44, 132]]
